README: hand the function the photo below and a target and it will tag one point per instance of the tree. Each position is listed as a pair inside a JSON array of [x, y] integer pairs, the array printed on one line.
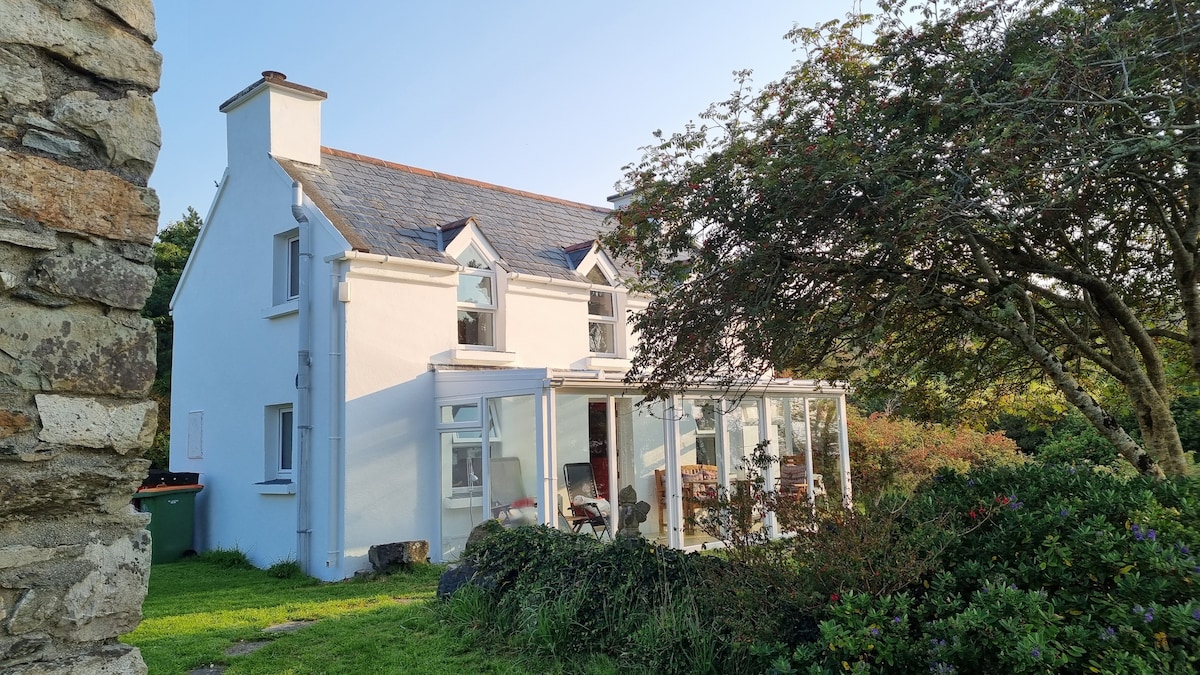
[[171, 250], [987, 194]]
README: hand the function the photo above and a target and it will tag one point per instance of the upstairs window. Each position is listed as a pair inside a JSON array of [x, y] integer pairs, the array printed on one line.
[[476, 300], [285, 269], [602, 315], [293, 267]]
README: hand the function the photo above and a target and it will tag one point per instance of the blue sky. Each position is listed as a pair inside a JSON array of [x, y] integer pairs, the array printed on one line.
[[552, 97]]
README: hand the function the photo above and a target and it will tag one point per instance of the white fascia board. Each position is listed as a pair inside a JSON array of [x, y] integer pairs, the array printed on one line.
[[472, 234], [204, 224], [596, 257]]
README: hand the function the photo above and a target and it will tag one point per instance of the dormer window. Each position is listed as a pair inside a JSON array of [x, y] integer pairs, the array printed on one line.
[[476, 299], [602, 315]]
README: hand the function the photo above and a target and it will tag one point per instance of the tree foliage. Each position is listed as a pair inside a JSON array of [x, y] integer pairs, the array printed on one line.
[[983, 195]]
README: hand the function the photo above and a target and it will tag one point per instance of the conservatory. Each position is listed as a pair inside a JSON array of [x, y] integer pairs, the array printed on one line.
[[515, 442]]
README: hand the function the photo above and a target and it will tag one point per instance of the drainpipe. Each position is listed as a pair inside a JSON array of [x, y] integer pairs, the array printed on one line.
[[304, 386], [340, 294]]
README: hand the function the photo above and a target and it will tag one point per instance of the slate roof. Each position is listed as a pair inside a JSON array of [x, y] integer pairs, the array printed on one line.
[[393, 209]]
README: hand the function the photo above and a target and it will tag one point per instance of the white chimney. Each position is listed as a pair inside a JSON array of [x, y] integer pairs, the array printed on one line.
[[276, 117]]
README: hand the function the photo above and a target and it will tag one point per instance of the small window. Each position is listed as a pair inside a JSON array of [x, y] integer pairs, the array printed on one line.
[[285, 441], [602, 316], [280, 442], [293, 268], [476, 300], [285, 282]]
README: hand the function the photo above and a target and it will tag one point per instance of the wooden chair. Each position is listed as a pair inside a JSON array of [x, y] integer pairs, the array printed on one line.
[[698, 483], [660, 486]]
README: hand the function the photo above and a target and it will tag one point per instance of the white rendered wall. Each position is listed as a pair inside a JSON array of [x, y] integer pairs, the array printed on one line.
[[394, 326], [230, 362]]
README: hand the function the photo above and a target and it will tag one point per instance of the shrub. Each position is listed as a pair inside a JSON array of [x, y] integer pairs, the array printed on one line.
[[229, 558], [1074, 440], [286, 569], [1073, 569], [646, 606], [891, 454]]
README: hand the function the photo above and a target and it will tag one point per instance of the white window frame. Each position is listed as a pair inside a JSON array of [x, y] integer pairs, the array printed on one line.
[[292, 272], [596, 261], [285, 264], [474, 438], [470, 236], [275, 438], [488, 310]]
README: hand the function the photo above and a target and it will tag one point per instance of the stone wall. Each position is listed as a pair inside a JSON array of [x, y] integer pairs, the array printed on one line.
[[78, 139]]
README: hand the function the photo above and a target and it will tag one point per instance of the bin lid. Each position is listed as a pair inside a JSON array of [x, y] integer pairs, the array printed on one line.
[[167, 489]]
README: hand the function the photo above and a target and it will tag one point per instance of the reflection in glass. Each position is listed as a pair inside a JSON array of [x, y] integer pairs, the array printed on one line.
[[475, 328], [475, 289], [600, 303], [601, 338]]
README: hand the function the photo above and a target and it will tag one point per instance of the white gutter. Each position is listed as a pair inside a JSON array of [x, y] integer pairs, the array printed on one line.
[[549, 281], [392, 260], [304, 386]]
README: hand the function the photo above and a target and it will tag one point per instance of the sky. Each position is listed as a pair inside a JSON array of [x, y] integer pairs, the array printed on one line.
[[547, 96]]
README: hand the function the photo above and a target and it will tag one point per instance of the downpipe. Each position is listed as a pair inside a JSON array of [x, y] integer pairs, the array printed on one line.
[[304, 386]]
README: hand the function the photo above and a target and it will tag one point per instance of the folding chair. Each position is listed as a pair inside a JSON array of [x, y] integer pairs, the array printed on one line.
[[586, 510]]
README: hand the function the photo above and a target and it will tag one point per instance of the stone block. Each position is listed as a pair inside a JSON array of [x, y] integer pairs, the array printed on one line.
[[39, 190], [21, 83], [108, 659], [453, 579], [91, 273], [14, 422], [76, 352], [68, 483], [389, 557], [52, 143], [83, 592], [26, 235], [78, 32], [137, 14], [124, 427], [126, 128]]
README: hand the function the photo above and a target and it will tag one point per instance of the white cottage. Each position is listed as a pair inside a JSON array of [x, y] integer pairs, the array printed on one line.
[[367, 352]]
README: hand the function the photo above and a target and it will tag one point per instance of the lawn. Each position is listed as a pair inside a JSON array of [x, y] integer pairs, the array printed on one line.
[[196, 609]]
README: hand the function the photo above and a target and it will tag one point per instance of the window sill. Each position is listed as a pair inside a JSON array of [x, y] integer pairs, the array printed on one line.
[[282, 309], [481, 357], [279, 486], [609, 363], [462, 502]]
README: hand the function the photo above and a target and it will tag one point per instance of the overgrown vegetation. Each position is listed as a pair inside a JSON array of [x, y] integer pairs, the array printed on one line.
[[891, 454], [1006, 569]]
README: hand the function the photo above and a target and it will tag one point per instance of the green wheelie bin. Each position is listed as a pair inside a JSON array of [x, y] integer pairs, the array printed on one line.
[[172, 514]]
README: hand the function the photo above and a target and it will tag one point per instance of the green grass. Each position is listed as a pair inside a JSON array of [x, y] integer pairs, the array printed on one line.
[[196, 609]]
